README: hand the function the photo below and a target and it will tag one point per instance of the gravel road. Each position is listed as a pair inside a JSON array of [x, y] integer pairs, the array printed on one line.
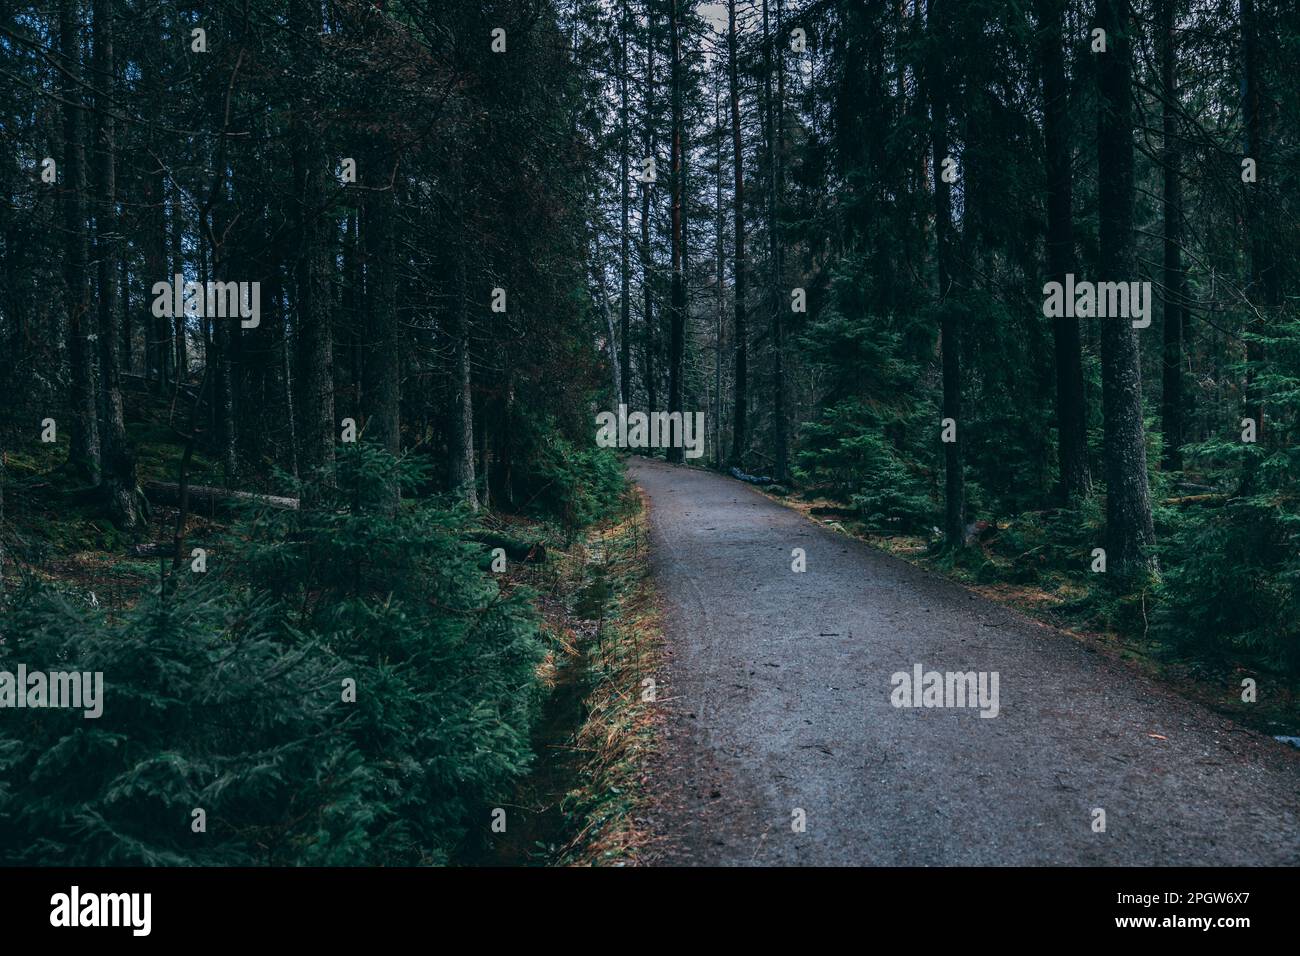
[[778, 699]]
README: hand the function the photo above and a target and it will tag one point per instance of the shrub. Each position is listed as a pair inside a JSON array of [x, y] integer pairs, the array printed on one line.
[[225, 691]]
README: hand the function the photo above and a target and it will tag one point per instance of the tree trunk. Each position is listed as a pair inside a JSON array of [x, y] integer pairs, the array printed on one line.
[[84, 451], [1071, 408], [312, 329], [647, 251], [119, 481], [773, 109], [212, 499], [1171, 393], [719, 267], [738, 435], [461, 433], [286, 377], [462, 451], [125, 325], [352, 310], [954, 497], [177, 228], [677, 337], [600, 294], [222, 349], [1129, 530], [625, 271], [382, 372], [1265, 289], [158, 354]]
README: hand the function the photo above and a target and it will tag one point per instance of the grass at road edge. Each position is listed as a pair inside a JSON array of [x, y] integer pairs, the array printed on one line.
[[620, 730], [581, 803]]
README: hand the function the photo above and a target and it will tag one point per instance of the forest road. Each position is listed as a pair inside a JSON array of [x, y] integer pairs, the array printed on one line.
[[778, 698]]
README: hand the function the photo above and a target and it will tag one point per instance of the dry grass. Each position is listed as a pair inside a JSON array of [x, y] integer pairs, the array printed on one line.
[[620, 731]]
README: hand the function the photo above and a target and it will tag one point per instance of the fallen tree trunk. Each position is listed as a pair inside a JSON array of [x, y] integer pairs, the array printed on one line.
[[169, 493], [152, 549], [830, 511], [752, 479], [1207, 499]]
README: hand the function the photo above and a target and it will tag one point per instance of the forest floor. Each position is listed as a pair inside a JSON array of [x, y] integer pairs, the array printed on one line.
[[59, 526], [780, 702]]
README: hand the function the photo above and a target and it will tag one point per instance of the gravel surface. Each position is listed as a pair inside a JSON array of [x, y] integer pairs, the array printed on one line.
[[778, 698]]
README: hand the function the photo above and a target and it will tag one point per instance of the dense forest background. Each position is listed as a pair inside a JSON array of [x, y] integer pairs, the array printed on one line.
[[826, 224]]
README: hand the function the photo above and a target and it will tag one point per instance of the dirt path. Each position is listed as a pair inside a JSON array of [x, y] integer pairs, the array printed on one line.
[[779, 698]]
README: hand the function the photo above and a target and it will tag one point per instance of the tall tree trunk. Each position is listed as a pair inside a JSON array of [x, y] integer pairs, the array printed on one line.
[[773, 110], [600, 295], [738, 434], [1129, 530], [382, 373], [625, 271], [158, 353], [119, 481], [719, 267], [175, 234], [616, 368], [1171, 393], [84, 451], [125, 325], [1265, 289], [214, 219], [312, 327], [954, 497], [461, 432], [677, 336], [286, 371], [352, 311], [160, 348], [1071, 409], [647, 250], [222, 353]]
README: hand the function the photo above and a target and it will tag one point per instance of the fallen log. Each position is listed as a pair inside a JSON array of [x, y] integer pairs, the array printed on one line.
[[752, 479], [830, 511], [152, 549], [1206, 499], [169, 493]]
